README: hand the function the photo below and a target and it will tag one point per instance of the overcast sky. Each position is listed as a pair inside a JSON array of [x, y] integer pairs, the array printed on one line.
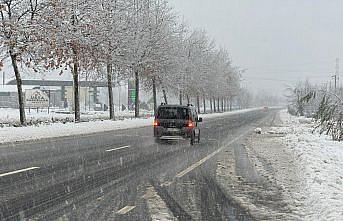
[[278, 41]]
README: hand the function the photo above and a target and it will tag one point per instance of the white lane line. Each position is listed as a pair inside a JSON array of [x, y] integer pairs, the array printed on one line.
[[212, 140], [118, 148], [18, 171], [125, 210], [168, 183], [200, 162]]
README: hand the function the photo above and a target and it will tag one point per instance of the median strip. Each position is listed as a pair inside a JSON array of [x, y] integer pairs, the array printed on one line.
[[18, 171], [118, 148]]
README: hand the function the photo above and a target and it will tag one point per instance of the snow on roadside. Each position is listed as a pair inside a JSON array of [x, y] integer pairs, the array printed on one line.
[[16, 134], [322, 163], [158, 209], [214, 115], [10, 117]]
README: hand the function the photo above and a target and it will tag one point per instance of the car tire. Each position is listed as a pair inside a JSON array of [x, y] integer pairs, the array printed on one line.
[[192, 139]]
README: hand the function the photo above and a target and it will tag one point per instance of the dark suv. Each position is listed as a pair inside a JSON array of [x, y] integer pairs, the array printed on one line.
[[177, 121]]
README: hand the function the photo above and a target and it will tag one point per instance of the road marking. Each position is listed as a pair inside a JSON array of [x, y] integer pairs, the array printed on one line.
[[214, 140], [202, 161], [125, 210], [18, 171], [168, 183], [118, 148]]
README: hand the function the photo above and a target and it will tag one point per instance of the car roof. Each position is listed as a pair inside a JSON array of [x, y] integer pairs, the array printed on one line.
[[175, 105]]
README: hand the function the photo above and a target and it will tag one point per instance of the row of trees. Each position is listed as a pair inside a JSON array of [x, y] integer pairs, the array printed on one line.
[[140, 39], [323, 103]]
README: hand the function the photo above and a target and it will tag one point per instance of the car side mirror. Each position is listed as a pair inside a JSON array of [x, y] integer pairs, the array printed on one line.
[[200, 119]]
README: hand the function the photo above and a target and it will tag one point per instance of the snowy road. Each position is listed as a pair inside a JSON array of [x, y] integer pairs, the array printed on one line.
[[122, 175]]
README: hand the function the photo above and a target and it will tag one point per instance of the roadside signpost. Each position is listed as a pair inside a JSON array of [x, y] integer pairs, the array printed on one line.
[[36, 98], [131, 95]]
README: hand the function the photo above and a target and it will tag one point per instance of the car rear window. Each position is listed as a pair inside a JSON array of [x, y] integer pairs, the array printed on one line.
[[173, 113]]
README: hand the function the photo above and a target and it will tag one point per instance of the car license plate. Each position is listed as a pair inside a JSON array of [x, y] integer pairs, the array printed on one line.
[[173, 130]]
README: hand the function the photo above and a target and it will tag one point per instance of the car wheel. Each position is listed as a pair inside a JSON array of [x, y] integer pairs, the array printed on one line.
[[192, 138]]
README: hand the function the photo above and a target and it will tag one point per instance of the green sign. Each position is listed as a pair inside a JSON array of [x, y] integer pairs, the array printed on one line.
[[131, 94]]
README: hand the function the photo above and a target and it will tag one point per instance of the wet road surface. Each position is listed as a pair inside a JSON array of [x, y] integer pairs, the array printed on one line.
[[106, 176]]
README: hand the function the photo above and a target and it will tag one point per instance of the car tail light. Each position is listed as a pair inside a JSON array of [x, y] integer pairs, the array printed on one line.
[[190, 123], [156, 123]]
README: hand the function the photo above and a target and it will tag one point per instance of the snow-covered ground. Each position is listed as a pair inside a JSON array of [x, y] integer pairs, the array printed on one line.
[[299, 172], [50, 130], [321, 163], [214, 115], [10, 116], [15, 134], [157, 207]]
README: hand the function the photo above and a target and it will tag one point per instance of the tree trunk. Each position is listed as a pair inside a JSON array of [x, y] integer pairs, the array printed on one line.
[[214, 105], [154, 94], [211, 105], [224, 104], [165, 96], [19, 89], [76, 93], [76, 87], [223, 108], [204, 100], [180, 97], [188, 100], [137, 94], [110, 90], [198, 103], [218, 104]]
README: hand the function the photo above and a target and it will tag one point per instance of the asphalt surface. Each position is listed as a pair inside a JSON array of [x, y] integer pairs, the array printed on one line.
[[105, 176]]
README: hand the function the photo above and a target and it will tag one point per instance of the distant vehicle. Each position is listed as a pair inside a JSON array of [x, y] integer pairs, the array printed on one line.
[[265, 108], [177, 121], [98, 107]]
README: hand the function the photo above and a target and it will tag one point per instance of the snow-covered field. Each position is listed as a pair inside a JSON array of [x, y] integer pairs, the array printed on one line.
[[49, 130], [321, 161], [10, 116]]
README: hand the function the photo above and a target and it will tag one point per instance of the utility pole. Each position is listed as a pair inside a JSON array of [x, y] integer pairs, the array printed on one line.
[[336, 76], [337, 72]]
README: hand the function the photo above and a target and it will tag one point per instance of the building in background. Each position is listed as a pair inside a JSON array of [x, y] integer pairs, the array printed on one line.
[[93, 95], [9, 95]]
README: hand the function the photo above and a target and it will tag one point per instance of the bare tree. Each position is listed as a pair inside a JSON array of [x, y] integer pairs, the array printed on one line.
[[69, 25], [18, 34]]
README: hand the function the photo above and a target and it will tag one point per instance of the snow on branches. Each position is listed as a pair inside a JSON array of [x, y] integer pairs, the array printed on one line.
[[144, 39]]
